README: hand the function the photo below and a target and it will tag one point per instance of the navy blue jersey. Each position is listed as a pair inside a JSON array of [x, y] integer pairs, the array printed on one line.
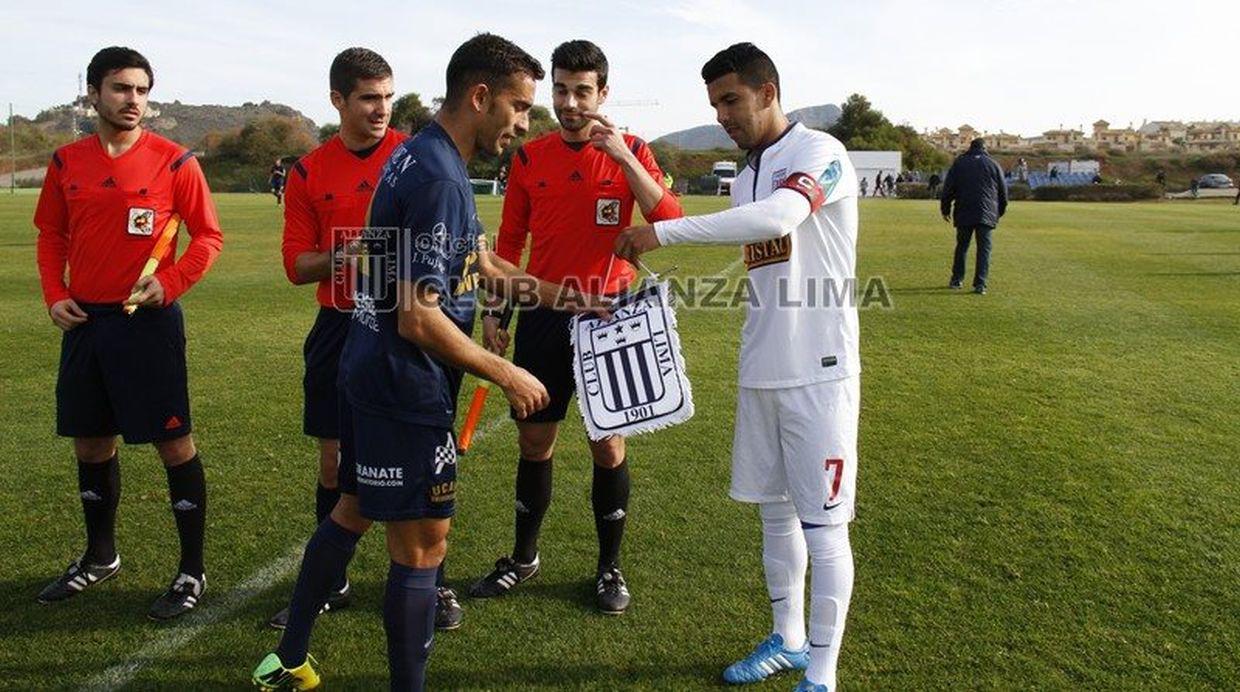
[[423, 229]]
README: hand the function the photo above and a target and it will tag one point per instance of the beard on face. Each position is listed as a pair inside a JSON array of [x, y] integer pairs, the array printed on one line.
[[117, 119], [572, 123]]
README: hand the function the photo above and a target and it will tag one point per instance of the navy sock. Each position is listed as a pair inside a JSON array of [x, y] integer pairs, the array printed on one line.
[[533, 498], [409, 620], [187, 490], [439, 578], [327, 554], [610, 497], [324, 503], [99, 485]]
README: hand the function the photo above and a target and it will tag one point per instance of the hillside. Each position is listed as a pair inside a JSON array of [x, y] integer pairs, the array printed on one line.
[[705, 137], [181, 122], [188, 124]]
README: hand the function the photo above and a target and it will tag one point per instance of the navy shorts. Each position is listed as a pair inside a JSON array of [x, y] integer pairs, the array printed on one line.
[[122, 374], [321, 416], [543, 346], [398, 470]]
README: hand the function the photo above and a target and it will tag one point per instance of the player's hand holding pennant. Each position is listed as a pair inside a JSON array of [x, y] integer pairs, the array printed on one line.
[[629, 371]]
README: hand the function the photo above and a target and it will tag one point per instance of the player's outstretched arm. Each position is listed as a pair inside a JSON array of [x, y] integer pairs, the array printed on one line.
[[767, 219], [422, 322]]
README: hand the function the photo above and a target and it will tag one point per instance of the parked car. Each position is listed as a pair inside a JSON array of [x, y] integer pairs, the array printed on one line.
[[1215, 180]]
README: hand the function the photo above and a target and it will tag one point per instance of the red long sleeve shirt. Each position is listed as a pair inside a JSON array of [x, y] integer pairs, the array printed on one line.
[[573, 202], [99, 217], [330, 188]]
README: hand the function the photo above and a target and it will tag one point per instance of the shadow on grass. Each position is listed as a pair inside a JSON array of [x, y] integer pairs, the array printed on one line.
[[104, 607], [649, 674], [939, 290], [576, 593], [1195, 274]]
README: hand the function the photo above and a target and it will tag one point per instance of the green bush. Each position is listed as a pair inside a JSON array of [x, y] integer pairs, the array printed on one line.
[[1016, 191], [913, 191], [1019, 192], [1095, 193]]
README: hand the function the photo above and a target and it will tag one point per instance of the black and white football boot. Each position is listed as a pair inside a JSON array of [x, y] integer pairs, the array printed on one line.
[[180, 598], [611, 594], [336, 600], [507, 574], [79, 576]]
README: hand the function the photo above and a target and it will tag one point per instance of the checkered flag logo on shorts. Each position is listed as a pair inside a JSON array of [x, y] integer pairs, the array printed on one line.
[[445, 454]]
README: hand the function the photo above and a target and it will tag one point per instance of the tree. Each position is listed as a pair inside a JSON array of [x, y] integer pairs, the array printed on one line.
[[858, 119], [262, 141], [409, 114], [238, 160], [541, 122], [861, 127], [327, 131]]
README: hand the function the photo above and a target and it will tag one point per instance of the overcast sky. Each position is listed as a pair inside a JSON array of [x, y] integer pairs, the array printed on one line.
[[1023, 66]]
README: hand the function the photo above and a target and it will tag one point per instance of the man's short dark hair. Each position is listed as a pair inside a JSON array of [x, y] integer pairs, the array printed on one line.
[[580, 56], [353, 65], [751, 65], [116, 58], [487, 59]]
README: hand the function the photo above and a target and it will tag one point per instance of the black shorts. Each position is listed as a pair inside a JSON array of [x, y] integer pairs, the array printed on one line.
[[543, 346], [123, 374], [398, 470], [321, 416]]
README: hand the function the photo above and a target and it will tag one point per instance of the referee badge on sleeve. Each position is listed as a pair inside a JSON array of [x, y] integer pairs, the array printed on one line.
[[141, 221], [629, 372]]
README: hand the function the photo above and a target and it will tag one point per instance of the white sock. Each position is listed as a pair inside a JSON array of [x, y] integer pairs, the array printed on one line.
[[784, 560], [830, 591]]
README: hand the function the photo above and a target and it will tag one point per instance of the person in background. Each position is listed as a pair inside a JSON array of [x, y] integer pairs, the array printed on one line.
[[975, 185], [276, 179]]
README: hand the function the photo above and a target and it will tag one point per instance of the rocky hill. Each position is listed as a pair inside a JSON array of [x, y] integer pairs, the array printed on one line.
[[705, 137], [181, 122]]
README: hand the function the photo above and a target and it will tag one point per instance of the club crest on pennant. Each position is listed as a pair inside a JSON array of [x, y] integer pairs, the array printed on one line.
[[629, 371]]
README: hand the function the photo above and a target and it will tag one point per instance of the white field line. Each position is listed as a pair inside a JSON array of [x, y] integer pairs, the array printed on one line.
[[196, 623], [177, 637]]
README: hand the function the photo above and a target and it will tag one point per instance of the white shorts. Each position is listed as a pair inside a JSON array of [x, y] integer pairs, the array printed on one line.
[[799, 444]]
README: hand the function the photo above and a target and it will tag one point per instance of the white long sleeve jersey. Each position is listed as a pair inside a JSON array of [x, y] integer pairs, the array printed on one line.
[[794, 207]]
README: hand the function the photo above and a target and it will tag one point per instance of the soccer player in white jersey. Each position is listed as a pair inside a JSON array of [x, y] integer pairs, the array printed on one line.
[[794, 209]]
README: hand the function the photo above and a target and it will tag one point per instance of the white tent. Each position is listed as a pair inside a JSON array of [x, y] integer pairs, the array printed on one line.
[[870, 163]]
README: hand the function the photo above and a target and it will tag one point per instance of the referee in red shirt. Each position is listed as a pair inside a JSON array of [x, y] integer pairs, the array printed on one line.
[[572, 192], [104, 201]]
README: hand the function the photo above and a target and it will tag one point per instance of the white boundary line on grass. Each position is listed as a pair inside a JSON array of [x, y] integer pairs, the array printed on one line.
[[178, 637], [119, 675]]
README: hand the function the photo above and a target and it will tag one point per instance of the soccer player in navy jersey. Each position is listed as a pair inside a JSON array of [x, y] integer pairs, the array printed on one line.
[[420, 260]]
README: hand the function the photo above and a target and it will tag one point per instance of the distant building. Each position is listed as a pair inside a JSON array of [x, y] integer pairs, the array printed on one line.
[[1105, 137], [1152, 136]]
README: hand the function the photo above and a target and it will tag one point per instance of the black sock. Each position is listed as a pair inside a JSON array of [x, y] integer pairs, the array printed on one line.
[[439, 578], [324, 502], [187, 489], [409, 621], [533, 498], [327, 555], [610, 497], [100, 488]]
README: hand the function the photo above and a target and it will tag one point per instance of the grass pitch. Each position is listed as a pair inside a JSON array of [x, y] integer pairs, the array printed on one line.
[[1048, 490]]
